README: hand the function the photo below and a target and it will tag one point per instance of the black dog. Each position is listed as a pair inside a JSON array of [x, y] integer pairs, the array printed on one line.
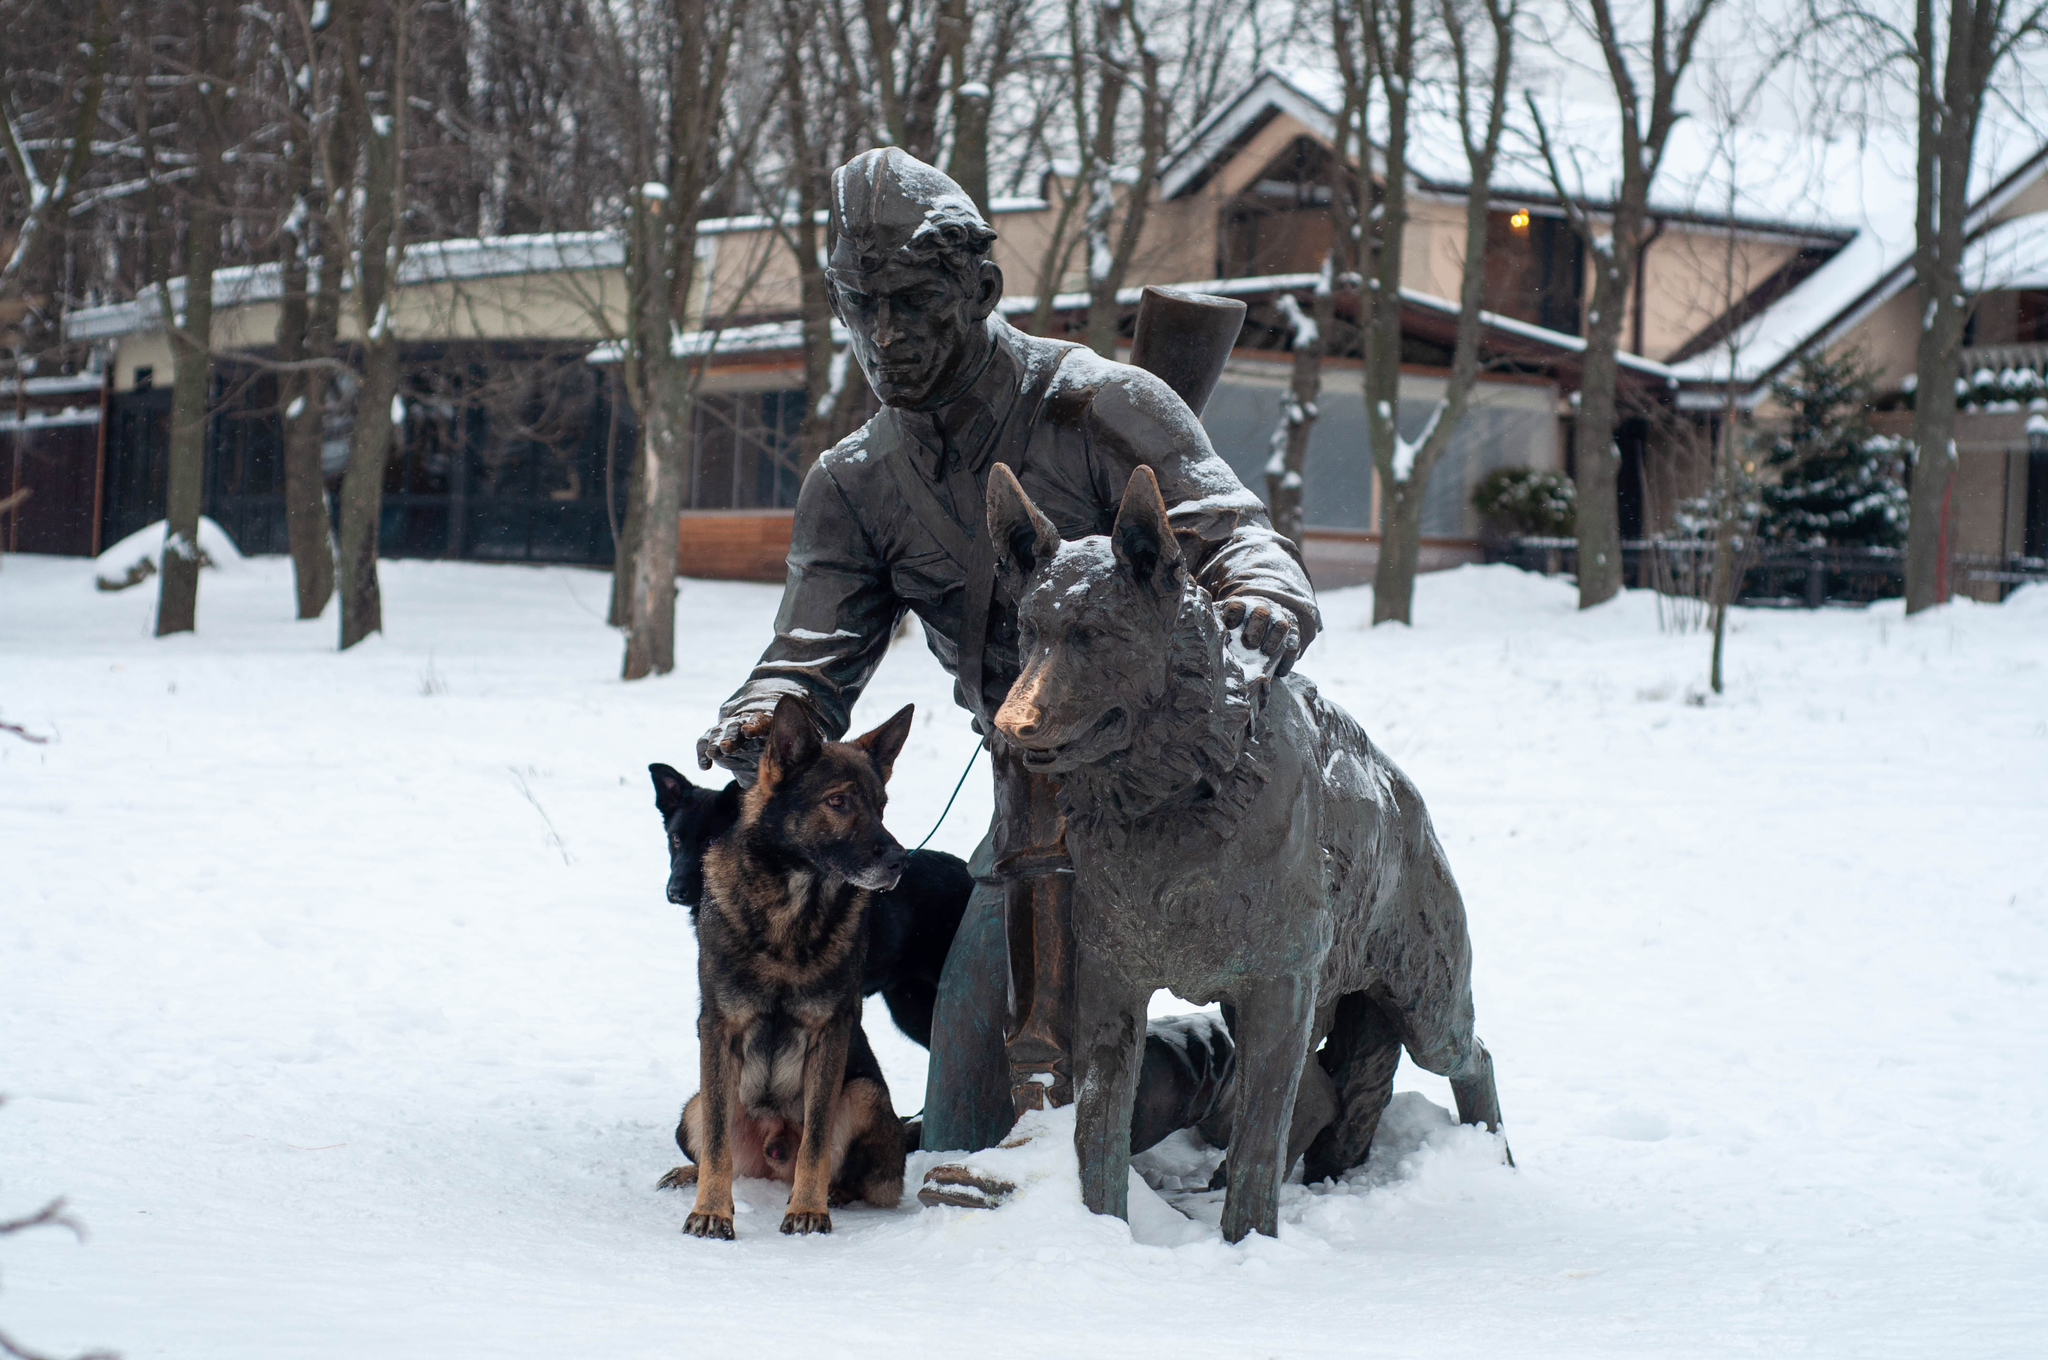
[[1187, 1065], [910, 927], [791, 1089]]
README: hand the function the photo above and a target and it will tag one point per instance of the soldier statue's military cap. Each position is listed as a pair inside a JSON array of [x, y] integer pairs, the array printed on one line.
[[887, 205]]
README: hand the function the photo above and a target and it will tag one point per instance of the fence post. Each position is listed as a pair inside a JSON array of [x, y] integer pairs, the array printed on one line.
[[1816, 579]]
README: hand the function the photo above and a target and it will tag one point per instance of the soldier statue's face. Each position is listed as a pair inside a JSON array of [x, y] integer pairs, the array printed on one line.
[[917, 329]]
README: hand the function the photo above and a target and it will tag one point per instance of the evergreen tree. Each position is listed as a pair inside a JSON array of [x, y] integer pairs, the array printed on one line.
[[1833, 482]]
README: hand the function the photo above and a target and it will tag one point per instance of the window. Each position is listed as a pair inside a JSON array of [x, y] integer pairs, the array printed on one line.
[[744, 453], [1535, 267]]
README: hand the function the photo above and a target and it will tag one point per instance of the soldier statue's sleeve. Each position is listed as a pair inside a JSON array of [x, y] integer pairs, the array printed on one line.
[[1135, 418], [838, 610]]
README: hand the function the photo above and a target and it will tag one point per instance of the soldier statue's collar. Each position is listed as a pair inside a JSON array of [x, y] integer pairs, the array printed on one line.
[[967, 418]]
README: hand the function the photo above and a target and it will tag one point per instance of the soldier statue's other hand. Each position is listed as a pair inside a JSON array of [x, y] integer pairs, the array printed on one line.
[[736, 743], [1266, 627]]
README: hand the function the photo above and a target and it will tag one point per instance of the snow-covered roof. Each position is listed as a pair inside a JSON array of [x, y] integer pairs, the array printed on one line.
[[779, 336], [429, 262], [1874, 267], [88, 381], [424, 262], [1764, 178], [1858, 190]]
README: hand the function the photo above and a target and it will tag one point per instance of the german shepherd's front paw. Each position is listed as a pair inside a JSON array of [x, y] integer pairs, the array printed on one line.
[[711, 1225], [678, 1178], [798, 1221]]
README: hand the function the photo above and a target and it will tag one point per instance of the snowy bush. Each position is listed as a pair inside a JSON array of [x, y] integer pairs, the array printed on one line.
[[138, 557], [1528, 502]]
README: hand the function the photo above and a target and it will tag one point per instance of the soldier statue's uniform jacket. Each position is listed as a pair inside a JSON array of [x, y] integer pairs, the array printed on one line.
[[891, 517]]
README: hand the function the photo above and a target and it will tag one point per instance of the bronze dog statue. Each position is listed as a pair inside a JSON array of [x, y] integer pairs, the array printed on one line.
[[1234, 838]]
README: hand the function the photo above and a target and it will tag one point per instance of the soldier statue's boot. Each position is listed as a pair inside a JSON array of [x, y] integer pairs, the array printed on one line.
[[1021, 922], [1035, 878], [1038, 1044]]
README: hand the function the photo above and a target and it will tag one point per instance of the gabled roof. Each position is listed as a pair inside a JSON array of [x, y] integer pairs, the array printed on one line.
[[1857, 192], [1875, 267], [1755, 177]]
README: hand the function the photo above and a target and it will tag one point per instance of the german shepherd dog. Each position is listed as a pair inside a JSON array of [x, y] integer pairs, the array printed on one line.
[[1234, 838], [791, 1090], [910, 927]]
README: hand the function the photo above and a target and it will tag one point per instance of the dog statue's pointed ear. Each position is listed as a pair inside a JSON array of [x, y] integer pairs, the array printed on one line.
[[1142, 539], [793, 742], [885, 742], [1023, 538], [670, 789]]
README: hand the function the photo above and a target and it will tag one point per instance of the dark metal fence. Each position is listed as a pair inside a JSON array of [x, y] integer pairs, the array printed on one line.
[[1786, 578]]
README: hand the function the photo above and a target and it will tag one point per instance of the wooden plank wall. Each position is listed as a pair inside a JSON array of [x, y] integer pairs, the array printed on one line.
[[734, 545]]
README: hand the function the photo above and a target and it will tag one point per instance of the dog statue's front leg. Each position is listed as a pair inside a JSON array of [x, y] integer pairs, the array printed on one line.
[[1274, 1020], [719, 1050], [1110, 1033], [824, 1073]]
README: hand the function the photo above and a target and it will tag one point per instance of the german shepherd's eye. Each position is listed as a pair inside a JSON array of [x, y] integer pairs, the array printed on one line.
[[836, 801]]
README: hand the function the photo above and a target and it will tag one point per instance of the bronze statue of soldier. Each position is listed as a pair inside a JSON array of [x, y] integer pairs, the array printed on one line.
[[892, 519]]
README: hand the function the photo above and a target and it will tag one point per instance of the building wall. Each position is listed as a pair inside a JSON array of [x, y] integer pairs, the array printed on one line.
[[573, 305], [1887, 340], [1692, 275], [1506, 424]]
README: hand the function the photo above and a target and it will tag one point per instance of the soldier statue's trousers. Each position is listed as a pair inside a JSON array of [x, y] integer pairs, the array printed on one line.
[[1002, 1030]]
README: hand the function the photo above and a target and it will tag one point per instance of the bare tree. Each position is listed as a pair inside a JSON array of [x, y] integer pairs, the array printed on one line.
[[1288, 466], [1380, 48], [67, 124], [203, 75], [1614, 242], [682, 149], [312, 259], [375, 62], [51, 1215], [1955, 55], [1112, 57]]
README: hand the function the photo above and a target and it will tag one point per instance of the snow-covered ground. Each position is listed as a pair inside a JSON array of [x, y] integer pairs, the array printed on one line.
[[340, 996]]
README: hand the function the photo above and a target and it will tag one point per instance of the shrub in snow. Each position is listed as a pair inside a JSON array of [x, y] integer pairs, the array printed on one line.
[[1829, 481], [139, 556], [1528, 502]]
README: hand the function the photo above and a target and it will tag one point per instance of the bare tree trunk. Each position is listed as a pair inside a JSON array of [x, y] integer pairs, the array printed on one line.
[[1388, 28], [651, 608], [1288, 466], [1950, 85], [305, 334], [177, 606], [213, 53], [1723, 584], [698, 60], [1615, 256], [377, 260], [1596, 457]]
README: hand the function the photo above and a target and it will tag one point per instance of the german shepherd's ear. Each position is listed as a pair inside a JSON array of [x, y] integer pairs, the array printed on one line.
[[883, 744], [792, 742], [1022, 537], [670, 789], [1142, 539]]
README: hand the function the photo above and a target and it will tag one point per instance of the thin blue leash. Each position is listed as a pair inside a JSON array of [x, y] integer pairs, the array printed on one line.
[[972, 757]]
